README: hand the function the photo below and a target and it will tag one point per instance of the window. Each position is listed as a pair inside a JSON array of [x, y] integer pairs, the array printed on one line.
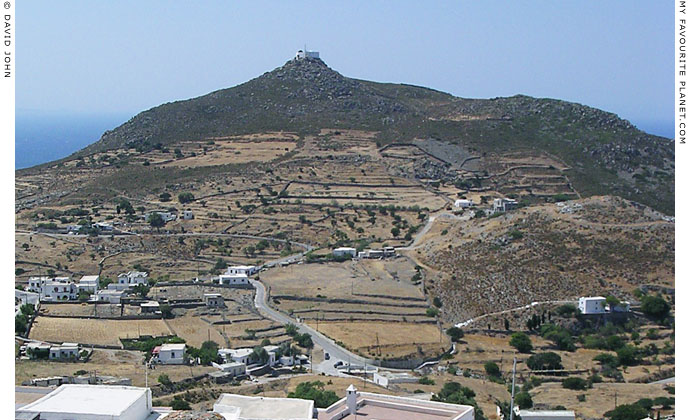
[[172, 355]]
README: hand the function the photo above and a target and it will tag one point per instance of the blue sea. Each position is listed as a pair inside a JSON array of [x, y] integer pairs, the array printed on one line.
[[45, 136]]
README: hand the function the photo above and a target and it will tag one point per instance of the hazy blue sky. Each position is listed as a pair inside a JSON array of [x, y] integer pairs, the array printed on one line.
[[127, 56]]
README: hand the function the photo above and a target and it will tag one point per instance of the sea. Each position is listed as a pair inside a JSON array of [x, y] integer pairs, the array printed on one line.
[[42, 137]]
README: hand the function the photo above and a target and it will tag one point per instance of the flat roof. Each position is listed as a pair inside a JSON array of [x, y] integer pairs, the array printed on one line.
[[108, 400], [548, 413], [388, 407], [236, 352], [88, 279], [173, 346], [240, 267], [243, 407]]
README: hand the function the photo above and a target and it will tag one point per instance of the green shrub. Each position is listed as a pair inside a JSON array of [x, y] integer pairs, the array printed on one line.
[[574, 383], [545, 361], [492, 369], [425, 380], [521, 342], [314, 391]]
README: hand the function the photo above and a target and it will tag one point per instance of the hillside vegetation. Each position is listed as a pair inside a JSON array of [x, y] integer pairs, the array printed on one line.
[[604, 154], [596, 246]]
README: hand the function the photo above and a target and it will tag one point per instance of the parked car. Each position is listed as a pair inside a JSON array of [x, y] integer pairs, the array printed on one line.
[[338, 364], [326, 356]]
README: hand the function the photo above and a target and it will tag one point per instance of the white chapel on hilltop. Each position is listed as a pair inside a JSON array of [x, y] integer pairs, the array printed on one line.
[[302, 54]]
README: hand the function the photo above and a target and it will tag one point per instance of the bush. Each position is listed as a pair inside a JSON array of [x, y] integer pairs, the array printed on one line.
[[627, 412], [628, 355], [523, 400], [437, 302], [492, 369], [164, 380], [521, 342], [606, 359], [566, 310], [314, 391], [179, 404], [545, 361], [431, 312], [425, 380], [574, 383]]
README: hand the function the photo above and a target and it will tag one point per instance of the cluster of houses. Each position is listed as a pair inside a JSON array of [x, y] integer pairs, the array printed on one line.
[[118, 402], [499, 205], [56, 352], [63, 288], [385, 252], [169, 216]]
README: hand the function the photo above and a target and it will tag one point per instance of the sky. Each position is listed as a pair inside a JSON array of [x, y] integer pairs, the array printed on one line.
[[123, 57]]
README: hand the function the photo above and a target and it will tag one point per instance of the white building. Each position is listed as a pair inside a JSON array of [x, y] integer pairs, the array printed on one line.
[[214, 300], [187, 215], [106, 227], [546, 414], [236, 355], [343, 251], [240, 407], [234, 368], [233, 279], [22, 297], [463, 203], [64, 351], [247, 270], [302, 54], [91, 402], [109, 296], [130, 279], [592, 305], [88, 284], [385, 378], [150, 307], [165, 215], [171, 354], [365, 405], [504, 204], [55, 289]]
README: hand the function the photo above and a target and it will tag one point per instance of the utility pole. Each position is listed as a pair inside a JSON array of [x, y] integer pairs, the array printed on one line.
[[512, 392]]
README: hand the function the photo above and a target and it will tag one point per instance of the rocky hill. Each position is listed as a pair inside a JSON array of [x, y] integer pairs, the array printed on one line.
[[600, 245], [605, 154]]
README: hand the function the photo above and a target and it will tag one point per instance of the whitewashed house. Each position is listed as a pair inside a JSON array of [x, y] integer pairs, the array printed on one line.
[[150, 307], [108, 296], [302, 54], [233, 279], [52, 290], [592, 305], [90, 402], [171, 354], [65, 351], [22, 297], [188, 215], [88, 284], [247, 270], [165, 215], [236, 355], [130, 279], [214, 300], [463, 203], [343, 251], [233, 368], [385, 378], [504, 204], [546, 414]]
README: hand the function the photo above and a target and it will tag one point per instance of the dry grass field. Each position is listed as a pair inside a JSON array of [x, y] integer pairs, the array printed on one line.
[[224, 152], [396, 339], [94, 331]]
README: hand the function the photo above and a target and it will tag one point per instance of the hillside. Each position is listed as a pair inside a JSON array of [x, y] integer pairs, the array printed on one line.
[[595, 246], [603, 153]]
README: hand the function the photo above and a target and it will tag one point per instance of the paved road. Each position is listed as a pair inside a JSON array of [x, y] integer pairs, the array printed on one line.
[[336, 352], [666, 381]]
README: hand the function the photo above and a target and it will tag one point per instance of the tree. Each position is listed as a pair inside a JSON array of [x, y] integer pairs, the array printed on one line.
[[166, 311], [521, 342], [545, 361], [20, 324], [395, 232], [291, 329], [185, 197], [437, 302], [492, 369], [314, 391], [156, 220], [627, 412], [304, 340], [523, 400], [260, 354], [606, 359], [628, 355], [455, 333], [27, 309], [454, 393], [164, 197], [655, 307]]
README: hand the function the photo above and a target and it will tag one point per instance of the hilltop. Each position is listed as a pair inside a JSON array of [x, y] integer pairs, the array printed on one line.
[[602, 153]]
